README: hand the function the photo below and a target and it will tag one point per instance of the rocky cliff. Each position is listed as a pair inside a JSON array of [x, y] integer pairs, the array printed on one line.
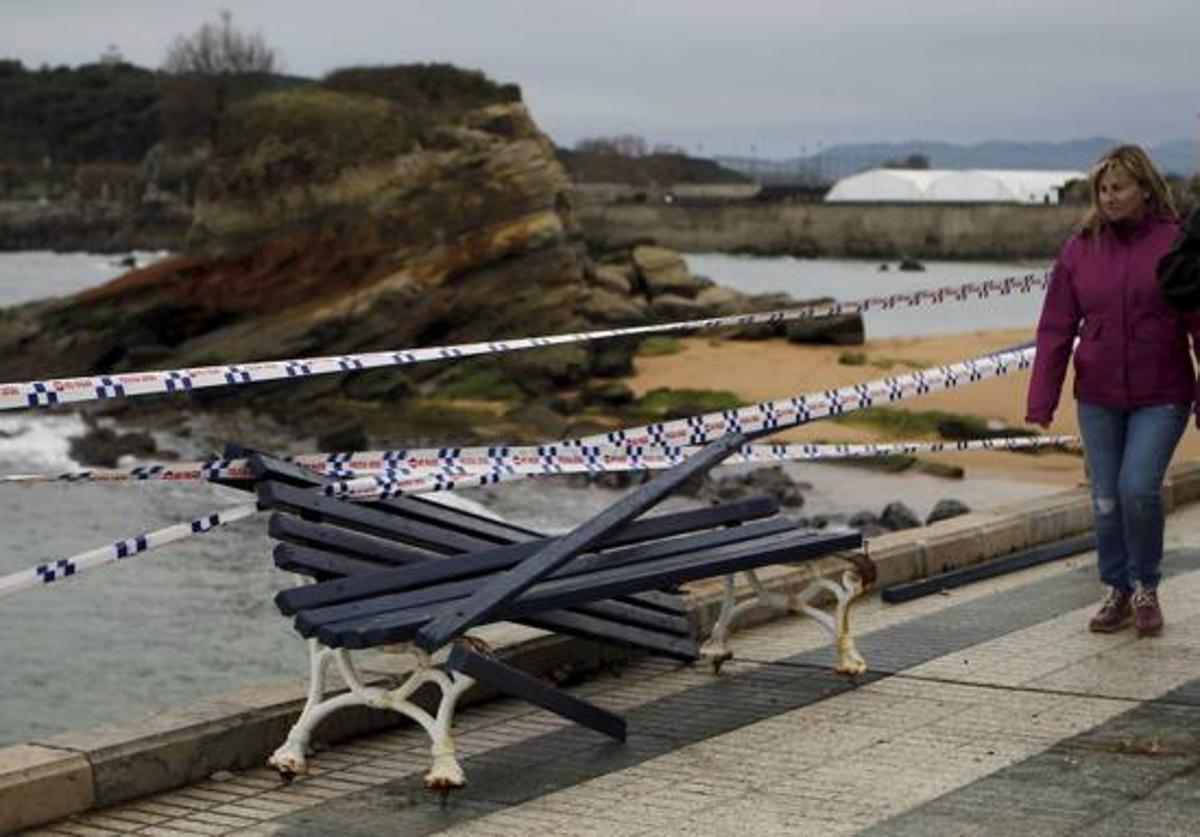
[[332, 220]]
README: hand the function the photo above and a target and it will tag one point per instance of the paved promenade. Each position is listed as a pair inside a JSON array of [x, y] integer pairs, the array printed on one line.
[[989, 711]]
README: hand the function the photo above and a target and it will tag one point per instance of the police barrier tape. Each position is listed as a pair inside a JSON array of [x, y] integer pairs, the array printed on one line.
[[60, 568], [700, 430], [468, 473], [19, 395], [691, 431], [527, 460], [584, 460]]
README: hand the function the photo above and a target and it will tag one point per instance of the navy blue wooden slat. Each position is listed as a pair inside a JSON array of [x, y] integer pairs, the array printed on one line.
[[608, 620], [519, 684], [401, 626], [504, 587], [318, 564], [628, 614], [655, 603], [360, 593], [383, 551], [664, 601], [621, 612], [373, 521], [678, 523], [577, 623], [266, 467], [290, 528]]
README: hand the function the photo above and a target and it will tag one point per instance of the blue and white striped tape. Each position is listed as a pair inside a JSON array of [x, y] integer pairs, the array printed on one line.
[[670, 437], [530, 459], [56, 569], [700, 430], [22, 395]]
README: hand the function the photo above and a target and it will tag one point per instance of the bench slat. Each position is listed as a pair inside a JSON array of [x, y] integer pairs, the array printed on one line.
[[666, 601], [507, 586], [519, 684], [400, 626], [616, 610], [577, 623], [310, 503], [319, 564], [286, 527], [267, 467], [380, 551], [361, 591]]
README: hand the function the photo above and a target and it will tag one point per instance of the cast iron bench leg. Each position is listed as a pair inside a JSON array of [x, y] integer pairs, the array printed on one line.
[[444, 775], [717, 650]]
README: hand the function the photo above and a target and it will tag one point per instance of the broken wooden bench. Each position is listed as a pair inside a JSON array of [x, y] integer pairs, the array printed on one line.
[[415, 576]]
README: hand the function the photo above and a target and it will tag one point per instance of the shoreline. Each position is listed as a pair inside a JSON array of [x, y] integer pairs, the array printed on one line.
[[758, 370]]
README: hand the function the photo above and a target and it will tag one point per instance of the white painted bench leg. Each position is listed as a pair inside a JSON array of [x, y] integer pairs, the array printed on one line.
[[444, 775], [849, 661], [291, 758], [717, 650]]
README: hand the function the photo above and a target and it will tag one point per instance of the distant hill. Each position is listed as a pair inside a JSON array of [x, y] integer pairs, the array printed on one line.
[[1175, 156], [646, 170]]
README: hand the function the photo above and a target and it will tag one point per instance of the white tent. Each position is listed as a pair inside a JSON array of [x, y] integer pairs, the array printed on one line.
[[1033, 186], [952, 186], [884, 185]]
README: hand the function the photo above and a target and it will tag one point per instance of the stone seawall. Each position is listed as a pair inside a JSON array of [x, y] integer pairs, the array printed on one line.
[[886, 231]]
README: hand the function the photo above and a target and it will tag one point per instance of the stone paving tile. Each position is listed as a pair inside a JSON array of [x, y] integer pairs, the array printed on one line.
[[192, 825], [163, 831], [941, 749], [79, 828], [122, 825]]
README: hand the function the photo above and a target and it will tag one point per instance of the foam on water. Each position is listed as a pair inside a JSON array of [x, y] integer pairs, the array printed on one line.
[[38, 443]]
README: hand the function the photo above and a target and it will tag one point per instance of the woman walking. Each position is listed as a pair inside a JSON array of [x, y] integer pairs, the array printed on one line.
[[1135, 384]]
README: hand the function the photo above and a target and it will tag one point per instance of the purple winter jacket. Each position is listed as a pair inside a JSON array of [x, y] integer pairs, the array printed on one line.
[[1133, 347]]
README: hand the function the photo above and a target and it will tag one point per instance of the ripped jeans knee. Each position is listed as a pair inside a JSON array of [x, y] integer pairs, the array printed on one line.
[[1104, 506]]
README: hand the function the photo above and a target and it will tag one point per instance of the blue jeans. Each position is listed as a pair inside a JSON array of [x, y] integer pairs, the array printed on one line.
[[1127, 455]]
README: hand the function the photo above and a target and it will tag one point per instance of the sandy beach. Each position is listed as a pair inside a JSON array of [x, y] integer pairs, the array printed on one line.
[[767, 369]]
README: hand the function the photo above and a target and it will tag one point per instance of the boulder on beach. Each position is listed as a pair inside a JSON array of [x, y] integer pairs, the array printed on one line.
[[945, 509], [896, 516]]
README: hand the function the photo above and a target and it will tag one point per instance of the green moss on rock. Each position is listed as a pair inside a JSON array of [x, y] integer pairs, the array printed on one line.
[[677, 403]]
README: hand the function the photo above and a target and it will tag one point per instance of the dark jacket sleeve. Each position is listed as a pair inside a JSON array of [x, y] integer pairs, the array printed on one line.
[[1179, 268]]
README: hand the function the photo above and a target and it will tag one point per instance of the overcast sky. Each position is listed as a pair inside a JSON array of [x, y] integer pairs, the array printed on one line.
[[770, 77]]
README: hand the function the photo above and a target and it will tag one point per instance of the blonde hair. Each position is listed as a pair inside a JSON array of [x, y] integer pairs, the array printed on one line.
[[1134, 160]]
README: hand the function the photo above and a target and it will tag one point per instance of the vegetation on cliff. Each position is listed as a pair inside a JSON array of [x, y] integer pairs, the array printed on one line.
[[58, 118]]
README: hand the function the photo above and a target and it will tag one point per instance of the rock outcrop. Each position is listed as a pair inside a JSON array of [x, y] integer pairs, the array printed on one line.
[[342, 218]]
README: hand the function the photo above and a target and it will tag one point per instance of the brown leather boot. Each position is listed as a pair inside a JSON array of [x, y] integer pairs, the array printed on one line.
[[1114, 614], [1147, 615]]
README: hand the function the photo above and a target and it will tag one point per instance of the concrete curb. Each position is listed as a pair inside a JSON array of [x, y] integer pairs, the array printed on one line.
[[76, 771]]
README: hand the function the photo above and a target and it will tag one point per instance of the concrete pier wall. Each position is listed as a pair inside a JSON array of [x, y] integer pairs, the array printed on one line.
[[885, 231]]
